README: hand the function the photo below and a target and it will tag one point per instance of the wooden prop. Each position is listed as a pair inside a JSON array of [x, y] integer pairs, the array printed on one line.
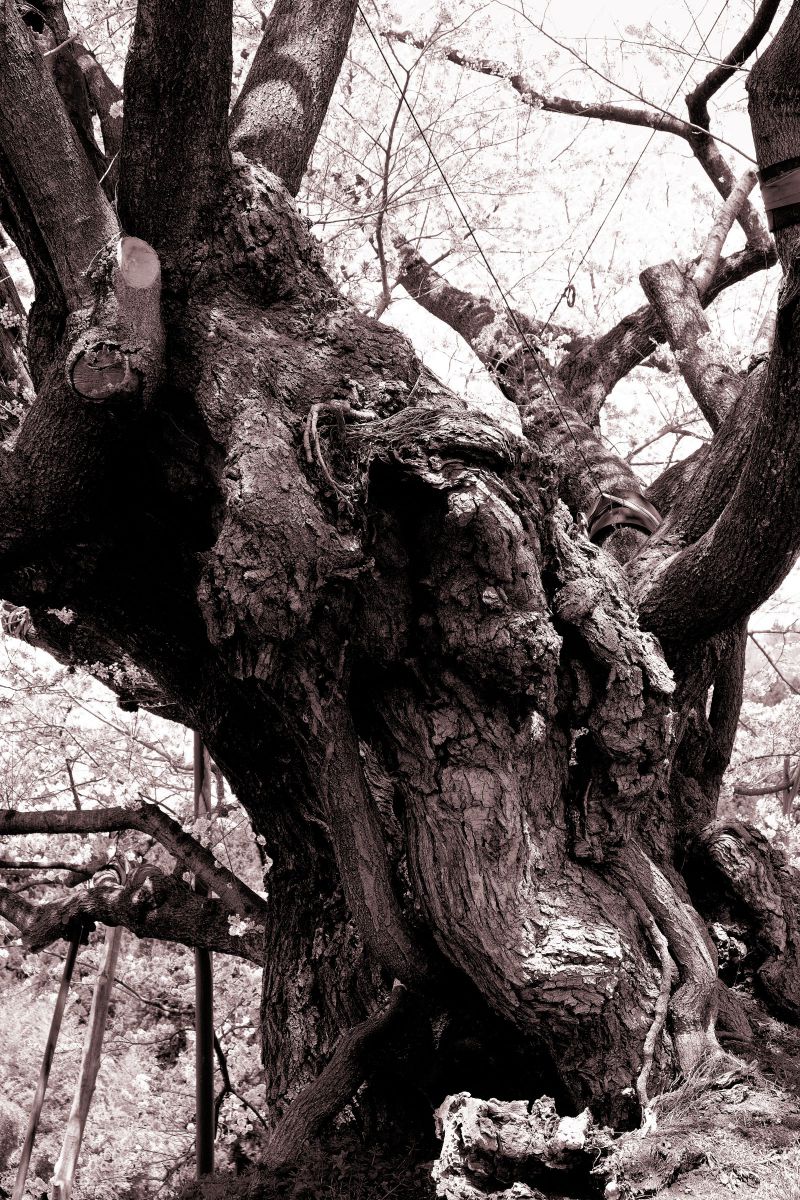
[[64, 1172], [47, 1062], [204, 998]]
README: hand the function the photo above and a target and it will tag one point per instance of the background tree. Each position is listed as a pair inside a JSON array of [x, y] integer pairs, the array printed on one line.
[[486, 754]]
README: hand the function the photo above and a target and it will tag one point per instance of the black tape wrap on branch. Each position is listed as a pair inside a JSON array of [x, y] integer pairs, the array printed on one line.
[[612, 510], [780, 189]]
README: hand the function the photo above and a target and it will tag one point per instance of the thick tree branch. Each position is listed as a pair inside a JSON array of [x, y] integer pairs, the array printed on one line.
[[702, 361], [741, 559], [175, 134], [280, 110], [14, 909], [149, 819], [697, 100], [47, 161], [106, 100], [152, 905], [512, 352]]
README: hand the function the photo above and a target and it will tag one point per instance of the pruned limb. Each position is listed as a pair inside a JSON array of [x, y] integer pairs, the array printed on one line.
[[174, 139], [709, 376], [120, 352], [352, 1062], [149, 819], [710, 254], [48, 162], [151, 904], [279, 112]]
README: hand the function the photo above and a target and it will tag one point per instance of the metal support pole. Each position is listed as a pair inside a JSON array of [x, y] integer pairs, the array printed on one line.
[[47, 1062], [204, 999]]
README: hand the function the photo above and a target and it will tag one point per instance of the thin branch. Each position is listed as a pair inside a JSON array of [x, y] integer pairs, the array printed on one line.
[[791, 686], [742, 789], [702, 142], [228, 1089]]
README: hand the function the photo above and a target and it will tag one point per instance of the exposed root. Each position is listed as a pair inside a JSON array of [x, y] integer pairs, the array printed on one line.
[[693, 1007], [669, 973], [313, 450]]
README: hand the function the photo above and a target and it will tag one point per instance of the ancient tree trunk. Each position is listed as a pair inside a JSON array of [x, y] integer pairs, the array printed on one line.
[[447, 710]]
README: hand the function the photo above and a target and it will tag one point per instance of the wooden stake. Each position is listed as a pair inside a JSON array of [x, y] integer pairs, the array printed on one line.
[[204, 999], [47, 1062], [64, 1172]]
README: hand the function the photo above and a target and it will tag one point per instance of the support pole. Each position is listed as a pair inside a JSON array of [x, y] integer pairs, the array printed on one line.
[[47, 1062], [64, 1172], [204, 998]]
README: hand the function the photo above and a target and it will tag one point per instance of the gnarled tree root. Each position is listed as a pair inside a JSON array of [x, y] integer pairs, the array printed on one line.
[[501, 1150]]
